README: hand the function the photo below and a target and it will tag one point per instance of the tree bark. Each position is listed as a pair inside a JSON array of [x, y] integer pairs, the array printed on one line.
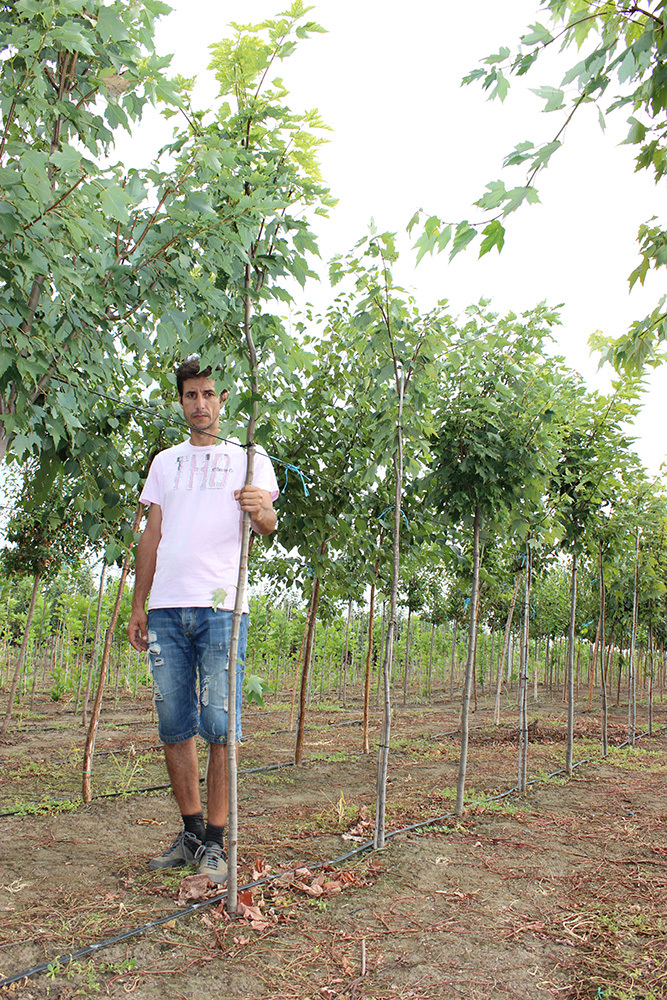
[[97, 705], [632, 698], [383, 754], [523, 680], [570, 667], [603, 672], [505, 650], [96, 640], [369, 657], [21, 659], [470, 663], [305, 670]]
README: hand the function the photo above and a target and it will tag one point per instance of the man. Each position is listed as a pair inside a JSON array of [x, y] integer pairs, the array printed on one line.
[[188, 558]]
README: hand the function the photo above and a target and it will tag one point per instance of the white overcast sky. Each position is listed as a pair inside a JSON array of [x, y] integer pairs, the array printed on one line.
[[405, 135]]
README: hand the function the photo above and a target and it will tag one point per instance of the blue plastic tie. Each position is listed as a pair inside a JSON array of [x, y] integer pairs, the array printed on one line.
[[299, 473], [391, 507]]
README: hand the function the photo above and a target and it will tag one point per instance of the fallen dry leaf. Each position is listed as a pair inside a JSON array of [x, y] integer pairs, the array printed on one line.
[[195, 887]]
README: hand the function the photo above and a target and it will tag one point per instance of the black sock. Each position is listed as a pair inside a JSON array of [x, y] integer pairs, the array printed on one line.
[[195, 824], [214, 833]]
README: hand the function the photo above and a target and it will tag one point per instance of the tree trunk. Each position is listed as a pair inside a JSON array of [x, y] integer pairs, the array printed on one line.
[[369, 656], [305, 669], [241, 586], [345, 655], [93, 652], [297, 669], [38, 655], [383, 754], [470, 663], [570, 667], [21, 659], [429, 675], [523, 681], [505, 650], [452, 663], [95, 714], [603, 672], [406, 667], [632, 698]]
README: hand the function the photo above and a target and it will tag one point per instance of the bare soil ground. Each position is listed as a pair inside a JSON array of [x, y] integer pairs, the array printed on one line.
[[558, 893]]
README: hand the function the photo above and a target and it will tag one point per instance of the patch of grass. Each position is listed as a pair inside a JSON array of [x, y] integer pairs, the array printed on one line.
[[272, 777], [47, 805], [637, 759], [336, 757]]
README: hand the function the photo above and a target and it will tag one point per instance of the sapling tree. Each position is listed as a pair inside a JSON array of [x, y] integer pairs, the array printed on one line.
[[264, 181], [493, 446], [401, 343]]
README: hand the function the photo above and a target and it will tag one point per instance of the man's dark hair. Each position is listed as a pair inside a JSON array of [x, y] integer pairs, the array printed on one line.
[[190, 369]]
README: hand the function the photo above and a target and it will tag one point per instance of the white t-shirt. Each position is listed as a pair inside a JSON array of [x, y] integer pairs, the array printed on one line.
[[198, 554]]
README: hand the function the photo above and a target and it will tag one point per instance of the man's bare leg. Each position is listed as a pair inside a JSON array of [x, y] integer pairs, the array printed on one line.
[[183, 768]]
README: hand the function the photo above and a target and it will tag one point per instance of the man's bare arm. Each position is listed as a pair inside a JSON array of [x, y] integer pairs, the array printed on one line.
[[259, 505], [137, 629]]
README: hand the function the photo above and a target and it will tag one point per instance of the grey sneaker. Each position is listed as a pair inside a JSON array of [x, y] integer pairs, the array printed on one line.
[[214, 863], [184, 850]]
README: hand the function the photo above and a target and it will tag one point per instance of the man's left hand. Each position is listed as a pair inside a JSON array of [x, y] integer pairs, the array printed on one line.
[[251, 499]]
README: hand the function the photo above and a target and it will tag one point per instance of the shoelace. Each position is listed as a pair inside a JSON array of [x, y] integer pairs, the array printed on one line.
[[215, 855]]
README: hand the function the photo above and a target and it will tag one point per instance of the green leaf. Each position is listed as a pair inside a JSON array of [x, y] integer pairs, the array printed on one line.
[[110, 25], [538, 34], [218, 598], [495, 237], [552, 95], [114, 202], [253, 685], [67, 158], [464, 235]]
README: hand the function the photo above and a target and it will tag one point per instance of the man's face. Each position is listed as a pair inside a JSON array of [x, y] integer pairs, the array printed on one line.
[[201, 404]]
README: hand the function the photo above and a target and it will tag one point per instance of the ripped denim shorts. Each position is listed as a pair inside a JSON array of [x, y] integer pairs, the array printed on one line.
[[189, 651]]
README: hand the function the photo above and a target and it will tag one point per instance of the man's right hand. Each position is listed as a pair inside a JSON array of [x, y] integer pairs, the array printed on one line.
[[137, 629]]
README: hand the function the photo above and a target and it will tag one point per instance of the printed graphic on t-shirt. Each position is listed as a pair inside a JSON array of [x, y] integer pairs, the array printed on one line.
[[209, 471]]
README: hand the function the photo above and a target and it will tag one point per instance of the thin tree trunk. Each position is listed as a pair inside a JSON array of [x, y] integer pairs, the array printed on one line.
[[406, 668], [369, 656], [21, 659], [297, 669], [241, 586], [523, 681], [383, 754], [452, 663], [570, 667], [632, 698], [345, 655], [505, 650], [95, 714], [38, 654], [429, 675], [93, 652], [305, 669], [470, 663], [603, 672]]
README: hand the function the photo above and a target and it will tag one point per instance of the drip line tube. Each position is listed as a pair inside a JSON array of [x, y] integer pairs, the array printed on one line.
[[63, 960], [139, 791]]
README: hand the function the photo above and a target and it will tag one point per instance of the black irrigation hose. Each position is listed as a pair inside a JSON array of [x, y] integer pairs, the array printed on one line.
[[90, 949], [143, 791]]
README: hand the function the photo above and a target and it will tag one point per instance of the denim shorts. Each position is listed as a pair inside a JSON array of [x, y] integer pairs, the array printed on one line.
[[189, 652]]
